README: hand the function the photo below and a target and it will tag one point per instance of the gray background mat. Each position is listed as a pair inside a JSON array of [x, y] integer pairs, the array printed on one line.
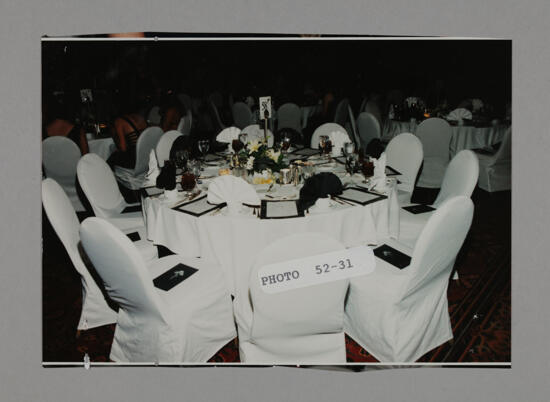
[[23, 23]]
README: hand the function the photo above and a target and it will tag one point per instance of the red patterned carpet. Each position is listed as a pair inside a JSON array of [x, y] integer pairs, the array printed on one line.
[[479, 304]]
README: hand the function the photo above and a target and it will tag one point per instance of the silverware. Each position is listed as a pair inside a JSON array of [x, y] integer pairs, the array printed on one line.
[[270, 187]]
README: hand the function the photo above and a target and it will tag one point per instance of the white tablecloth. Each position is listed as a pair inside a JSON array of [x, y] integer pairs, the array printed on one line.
[[234, 241], [103, 147], [463, 137]]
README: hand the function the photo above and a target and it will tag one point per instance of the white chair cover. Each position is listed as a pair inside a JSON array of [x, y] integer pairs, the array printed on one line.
[[188, 323], [133, 178], [228, 134], [495, 172], [297, 326], [404, 154], [216, 113], [341, 112], [290, 116], [368, 128], [242, 116], [373, 108], [60, 156], [184, 126], [154, 117], [362, 106], [95, 310], [353, 126], [255, 132], [435, 135], [399, 315], [99, 185], [460, 180], [164, 145], [326, 129]]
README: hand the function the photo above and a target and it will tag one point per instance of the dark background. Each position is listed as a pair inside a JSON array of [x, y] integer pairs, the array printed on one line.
[[432, 69]]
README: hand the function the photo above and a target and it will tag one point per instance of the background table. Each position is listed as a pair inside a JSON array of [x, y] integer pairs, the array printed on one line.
[[463, 137]]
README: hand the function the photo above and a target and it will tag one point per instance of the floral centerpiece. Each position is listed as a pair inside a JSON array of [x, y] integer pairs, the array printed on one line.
[[261, 161]]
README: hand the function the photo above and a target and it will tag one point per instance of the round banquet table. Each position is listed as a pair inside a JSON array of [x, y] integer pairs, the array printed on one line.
[[233, 242], [463, 137]]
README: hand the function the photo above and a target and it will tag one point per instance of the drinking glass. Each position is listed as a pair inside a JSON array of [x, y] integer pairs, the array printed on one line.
[[204, 145], [367, 168], [322, 143], [243, 137], [237, 145], [349, 149], [285, 143], [181, 158], [188, 182]]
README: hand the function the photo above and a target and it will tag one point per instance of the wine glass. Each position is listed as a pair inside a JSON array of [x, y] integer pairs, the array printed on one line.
[[322, 143], [181, 158], [237, 145], [243, 137], [285, 143], [204, 146], [349, 149], [188, 182], [367, 168]]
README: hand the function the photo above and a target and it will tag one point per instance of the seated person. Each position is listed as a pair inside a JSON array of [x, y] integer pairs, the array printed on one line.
[[58, 121], [127, 129]]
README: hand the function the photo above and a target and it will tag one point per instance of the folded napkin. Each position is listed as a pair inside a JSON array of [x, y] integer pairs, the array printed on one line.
[[321, 185], [167, 177], [232, 190], [459, 114], [153, 172], [338, 139], [255, 132], [378, 181], [227, 135]]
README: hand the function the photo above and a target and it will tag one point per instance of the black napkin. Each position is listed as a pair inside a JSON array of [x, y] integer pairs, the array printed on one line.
[[174, 276], [419, 209], [167, 177], [392, 256], [318, 186]]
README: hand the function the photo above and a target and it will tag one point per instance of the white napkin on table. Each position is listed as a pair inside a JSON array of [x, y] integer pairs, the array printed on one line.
[[232, 190], [459, 114], [153, 172], [378, 181], [338, 139], [227, 135]]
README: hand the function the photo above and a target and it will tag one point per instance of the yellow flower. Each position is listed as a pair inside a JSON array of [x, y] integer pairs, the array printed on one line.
[[254, 145]]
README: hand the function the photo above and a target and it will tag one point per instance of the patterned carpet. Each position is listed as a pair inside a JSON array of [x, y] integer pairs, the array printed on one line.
[[479, 303]]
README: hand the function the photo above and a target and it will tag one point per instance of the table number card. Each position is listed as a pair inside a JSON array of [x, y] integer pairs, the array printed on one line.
[[360, 195], [317, 269], [265, 105], [280, 209]]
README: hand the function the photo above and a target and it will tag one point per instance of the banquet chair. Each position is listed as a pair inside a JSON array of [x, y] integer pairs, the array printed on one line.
[[368, 129], [398, 315], [404, 153], [297, 326], [373, 108], [99, 185], [435, 135], [162, 150], [460, 178], [154, 117], [216, 114], [255, 132], [495, 171], [353, 129], [189, 322], [133, 178], [341, 112], [186, 101], [185, 124], [60, 156], [362, 105], [326, 129], [95, 309], [242, 116], [290, 116]]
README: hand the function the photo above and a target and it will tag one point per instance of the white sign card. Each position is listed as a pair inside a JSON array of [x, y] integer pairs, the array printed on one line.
[[265, 104], [317, 269]]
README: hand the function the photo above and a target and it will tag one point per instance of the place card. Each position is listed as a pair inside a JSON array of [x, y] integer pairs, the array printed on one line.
[[134, 236], [419, 209], [174, 276], [280, 209], [131, 208], [392, 256], [198, 206], [360, 195], [391, 171]]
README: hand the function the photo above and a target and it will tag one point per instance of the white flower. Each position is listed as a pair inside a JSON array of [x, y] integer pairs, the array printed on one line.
[[273, 155], [250, 163], [254, 145]]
